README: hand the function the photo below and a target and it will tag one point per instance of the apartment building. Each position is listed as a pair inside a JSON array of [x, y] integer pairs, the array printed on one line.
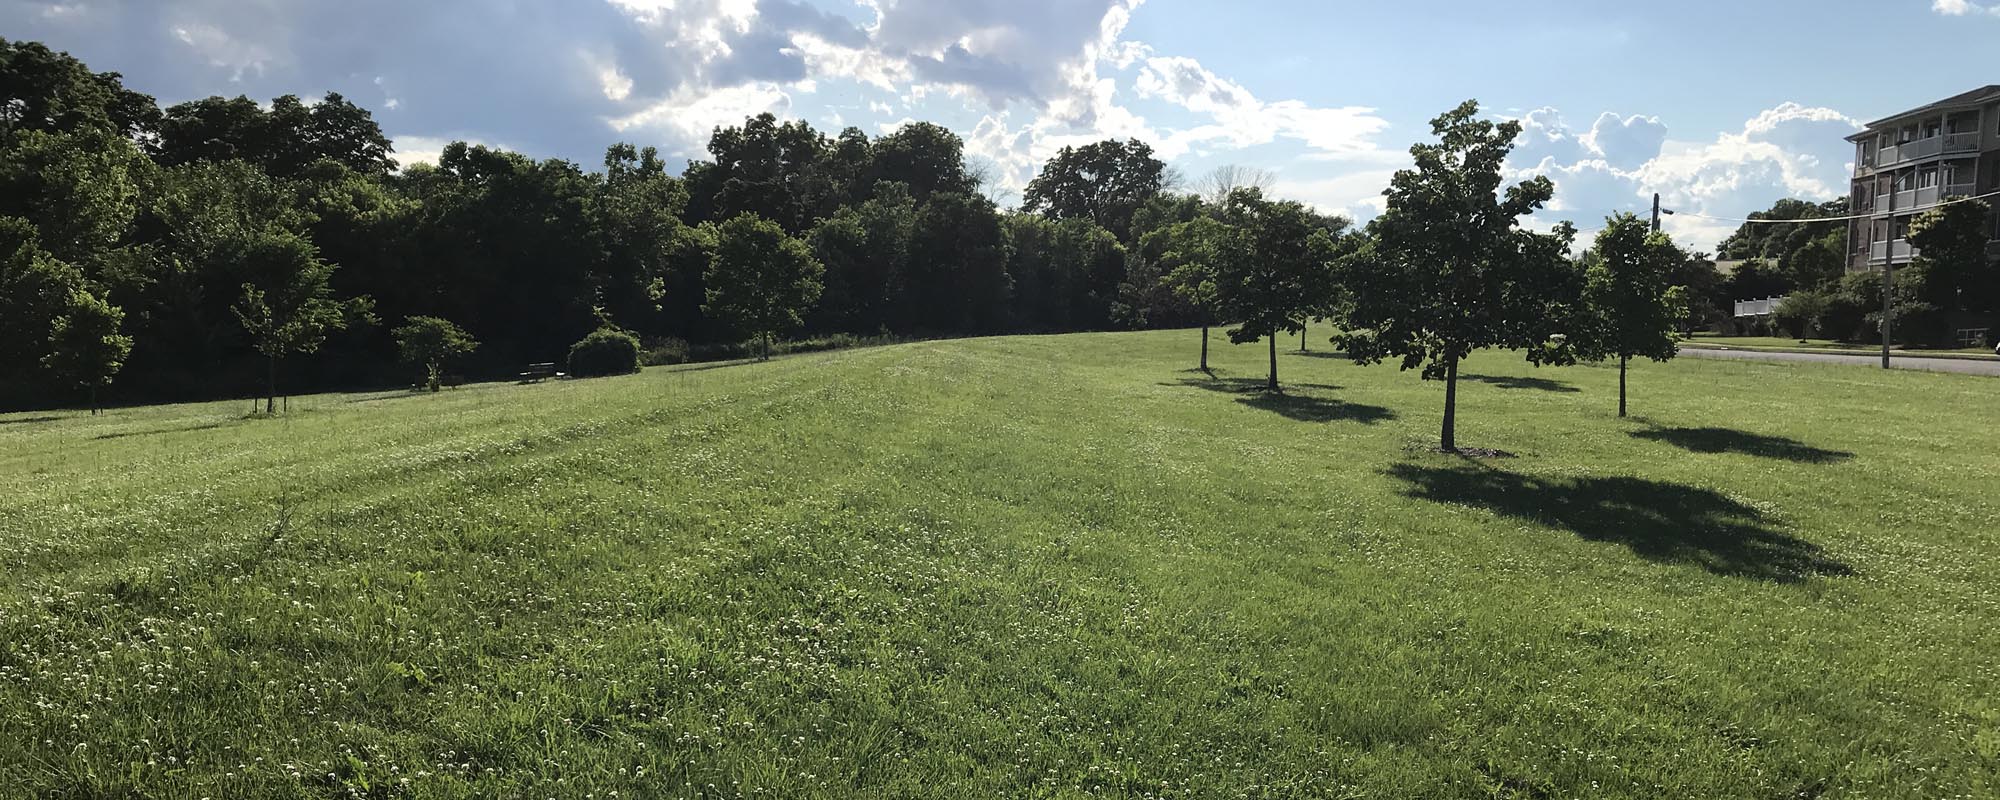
[[1908, 162]]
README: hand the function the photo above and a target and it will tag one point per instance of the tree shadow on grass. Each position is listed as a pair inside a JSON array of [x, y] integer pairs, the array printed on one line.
[[1317, 353], [1512, 382], [28, 420], [1296, 405], [1730, 440], [1667, 523]]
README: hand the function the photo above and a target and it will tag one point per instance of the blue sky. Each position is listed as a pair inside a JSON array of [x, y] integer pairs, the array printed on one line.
[[1723, 107]]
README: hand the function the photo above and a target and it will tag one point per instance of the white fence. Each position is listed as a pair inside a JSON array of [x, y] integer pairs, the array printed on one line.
[[1758, 308]]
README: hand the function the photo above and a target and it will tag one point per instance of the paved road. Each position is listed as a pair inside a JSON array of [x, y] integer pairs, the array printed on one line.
[[1964, 365]]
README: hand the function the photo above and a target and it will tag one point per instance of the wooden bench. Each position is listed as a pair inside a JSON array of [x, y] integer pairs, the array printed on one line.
[[536, 373]]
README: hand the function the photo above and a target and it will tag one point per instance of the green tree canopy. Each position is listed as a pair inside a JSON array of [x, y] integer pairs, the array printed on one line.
[[1196, 253], [761, 279], [1106, 183], [1952, 270], [1449, 269], [283, 141], [430, 342], [55, 93], [1274, 269], [35, 289], [86, 348], [289, 306], [1630, 309]]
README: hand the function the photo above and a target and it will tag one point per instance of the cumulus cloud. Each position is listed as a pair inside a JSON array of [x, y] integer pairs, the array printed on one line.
[[1960, 8], [1238, 119], [554, 79], [566, 79], [414, 150], [1790, 150]]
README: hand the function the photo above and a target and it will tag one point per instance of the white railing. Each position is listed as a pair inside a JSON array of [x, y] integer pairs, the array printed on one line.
[[1879, 251], [1960, 190], [1758, 308], [1922, 148]]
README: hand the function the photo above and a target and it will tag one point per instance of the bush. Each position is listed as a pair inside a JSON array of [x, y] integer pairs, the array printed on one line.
[[661, 352], [606, 351], [1800, 312]]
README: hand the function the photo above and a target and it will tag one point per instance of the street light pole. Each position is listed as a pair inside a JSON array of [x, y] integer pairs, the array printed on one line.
[[1888, 270]]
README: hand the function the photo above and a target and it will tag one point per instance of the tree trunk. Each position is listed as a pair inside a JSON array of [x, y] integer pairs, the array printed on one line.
[[1273, 385], [1204, 347], [1302, 338], [93, 399], [1446, 440], [767, 347], [271, 385], [1621, 384]]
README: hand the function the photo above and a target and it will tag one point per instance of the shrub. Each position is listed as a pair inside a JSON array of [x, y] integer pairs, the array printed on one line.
[[606, 351], [661, 352], [1800, 312], [429, 342]]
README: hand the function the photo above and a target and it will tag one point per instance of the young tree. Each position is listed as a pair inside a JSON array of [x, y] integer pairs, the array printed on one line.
[[429, 342], [1449, 270], [1280, 271], [85, 347], [295, 309], [761, 279], [35, 289], [1196, 251], [1630, 307], [1952, 273], [1801, 311]]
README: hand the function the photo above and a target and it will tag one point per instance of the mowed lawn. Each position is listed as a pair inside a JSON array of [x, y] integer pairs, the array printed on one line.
[[1060, 566]]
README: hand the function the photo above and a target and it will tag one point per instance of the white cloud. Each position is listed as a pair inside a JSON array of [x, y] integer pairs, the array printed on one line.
[[1355, 195], [1960, 8], [224, 50], [690, 116], [1790, 150], [413, 150], [1238, 119]]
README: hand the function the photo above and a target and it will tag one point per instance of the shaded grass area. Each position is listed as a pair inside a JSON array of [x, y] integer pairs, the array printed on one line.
[[1730, 440], [1040, 566]]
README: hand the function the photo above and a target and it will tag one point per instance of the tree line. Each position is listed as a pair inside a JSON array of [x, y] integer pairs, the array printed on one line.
[[215, 246], [208, 246]]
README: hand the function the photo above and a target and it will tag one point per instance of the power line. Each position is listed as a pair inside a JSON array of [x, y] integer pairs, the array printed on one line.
[[1834, 219]]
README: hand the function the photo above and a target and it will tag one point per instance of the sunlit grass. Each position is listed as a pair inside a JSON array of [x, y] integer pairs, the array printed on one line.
[[1054, 566]]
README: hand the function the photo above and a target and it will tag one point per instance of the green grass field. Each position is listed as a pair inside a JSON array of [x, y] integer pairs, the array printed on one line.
[[1050, 567]]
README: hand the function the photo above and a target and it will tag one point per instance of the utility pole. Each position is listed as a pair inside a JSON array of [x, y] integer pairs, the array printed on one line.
[[1656, 212], [1888, 269]]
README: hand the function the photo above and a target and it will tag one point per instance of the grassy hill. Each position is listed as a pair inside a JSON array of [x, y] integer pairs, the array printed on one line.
[[1058, 566]]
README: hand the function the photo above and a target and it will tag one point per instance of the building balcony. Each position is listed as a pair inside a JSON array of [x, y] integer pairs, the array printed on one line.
[[1880, 252], [1912, 201], [1966, 142]]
